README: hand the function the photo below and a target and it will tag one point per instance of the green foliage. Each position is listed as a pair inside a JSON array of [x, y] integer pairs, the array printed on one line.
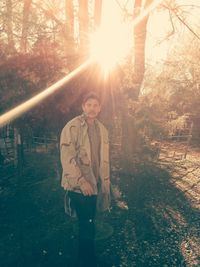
[[177, 125], [44, 50], [148, 120], [23, 76], [174, 91]]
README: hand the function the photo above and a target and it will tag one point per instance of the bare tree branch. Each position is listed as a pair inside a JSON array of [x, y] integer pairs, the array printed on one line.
[[49, 13], [124, 9], [171, 32], [192, 6], [186, 25], [175, 10]]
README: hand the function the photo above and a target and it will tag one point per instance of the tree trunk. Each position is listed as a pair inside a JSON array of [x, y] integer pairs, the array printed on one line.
[[26, 12], [97, 13], [69, 17], [130, 140], [83, 27], [9, 28], [139, 47]]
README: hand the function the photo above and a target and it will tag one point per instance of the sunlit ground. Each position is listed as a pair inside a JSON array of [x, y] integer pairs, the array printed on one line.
[[190, 250]]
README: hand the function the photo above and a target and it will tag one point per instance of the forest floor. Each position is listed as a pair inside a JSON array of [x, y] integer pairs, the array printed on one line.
[[159, 228]]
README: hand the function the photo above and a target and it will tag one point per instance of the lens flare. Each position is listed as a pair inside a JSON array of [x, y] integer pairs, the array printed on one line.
[[16, 112], [108, 47], [114, 39]]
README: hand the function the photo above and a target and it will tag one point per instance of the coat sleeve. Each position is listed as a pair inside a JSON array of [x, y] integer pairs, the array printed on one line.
[[72, 177]]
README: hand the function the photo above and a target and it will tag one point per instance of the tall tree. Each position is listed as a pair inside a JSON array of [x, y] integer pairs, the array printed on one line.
[[140, 31], [69, 41], [97, 13], [83, 26], [69, 17], [9, 26], [129, 133], [25, 23]]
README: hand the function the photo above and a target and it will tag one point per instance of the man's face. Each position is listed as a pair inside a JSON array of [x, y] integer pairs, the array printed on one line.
[[92, 108]]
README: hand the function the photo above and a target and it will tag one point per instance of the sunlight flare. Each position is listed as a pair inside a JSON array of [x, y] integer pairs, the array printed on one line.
[[108, 47], [114, 39], [112, 42], [32, 102]]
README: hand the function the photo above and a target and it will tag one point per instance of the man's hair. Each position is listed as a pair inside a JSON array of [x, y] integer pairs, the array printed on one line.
[[91, 95]]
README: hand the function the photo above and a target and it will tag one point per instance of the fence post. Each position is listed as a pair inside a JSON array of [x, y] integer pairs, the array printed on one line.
[[45, 142], [19, 152]]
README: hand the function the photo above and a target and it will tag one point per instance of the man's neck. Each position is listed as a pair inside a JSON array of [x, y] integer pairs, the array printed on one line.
[[90, 121]]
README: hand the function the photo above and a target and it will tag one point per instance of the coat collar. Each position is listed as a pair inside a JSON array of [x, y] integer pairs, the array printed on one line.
[[83, 120]]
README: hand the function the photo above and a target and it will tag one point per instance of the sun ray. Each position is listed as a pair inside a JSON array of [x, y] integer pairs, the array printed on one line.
[[109, 46], [24, 107], [114, 47]]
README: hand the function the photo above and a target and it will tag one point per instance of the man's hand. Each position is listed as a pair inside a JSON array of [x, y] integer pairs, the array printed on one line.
[[86, 189]]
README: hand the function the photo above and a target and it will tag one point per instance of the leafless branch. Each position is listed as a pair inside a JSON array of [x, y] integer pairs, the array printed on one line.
[[174, 10], [124, 8], [186, 25], [192, 6], [172, 24], [48, 13], [119, 4], [170, 33]]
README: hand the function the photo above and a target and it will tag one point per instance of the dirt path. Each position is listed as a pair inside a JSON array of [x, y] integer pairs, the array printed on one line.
[[160, 228]]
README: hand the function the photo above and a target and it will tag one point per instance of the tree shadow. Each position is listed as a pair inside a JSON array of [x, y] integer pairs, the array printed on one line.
[[35, 231], [161, 226]]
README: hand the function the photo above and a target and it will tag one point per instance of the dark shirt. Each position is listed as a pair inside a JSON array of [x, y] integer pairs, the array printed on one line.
[[94, 137]]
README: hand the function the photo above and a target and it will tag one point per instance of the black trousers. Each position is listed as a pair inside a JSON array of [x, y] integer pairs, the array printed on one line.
[[85, 207]]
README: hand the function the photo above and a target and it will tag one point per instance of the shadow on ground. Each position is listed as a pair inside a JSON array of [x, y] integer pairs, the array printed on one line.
[[160, 227]]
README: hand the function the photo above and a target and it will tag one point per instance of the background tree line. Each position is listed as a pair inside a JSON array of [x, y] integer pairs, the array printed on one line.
[[41, 41]]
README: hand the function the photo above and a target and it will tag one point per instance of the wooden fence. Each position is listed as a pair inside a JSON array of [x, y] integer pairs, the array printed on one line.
[[14, 149]]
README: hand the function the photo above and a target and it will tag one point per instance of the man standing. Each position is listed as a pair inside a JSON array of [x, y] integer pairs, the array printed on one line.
[[84, 151]]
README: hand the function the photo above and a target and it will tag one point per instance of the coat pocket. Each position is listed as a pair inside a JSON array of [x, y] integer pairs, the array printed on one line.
[[83, 158]]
